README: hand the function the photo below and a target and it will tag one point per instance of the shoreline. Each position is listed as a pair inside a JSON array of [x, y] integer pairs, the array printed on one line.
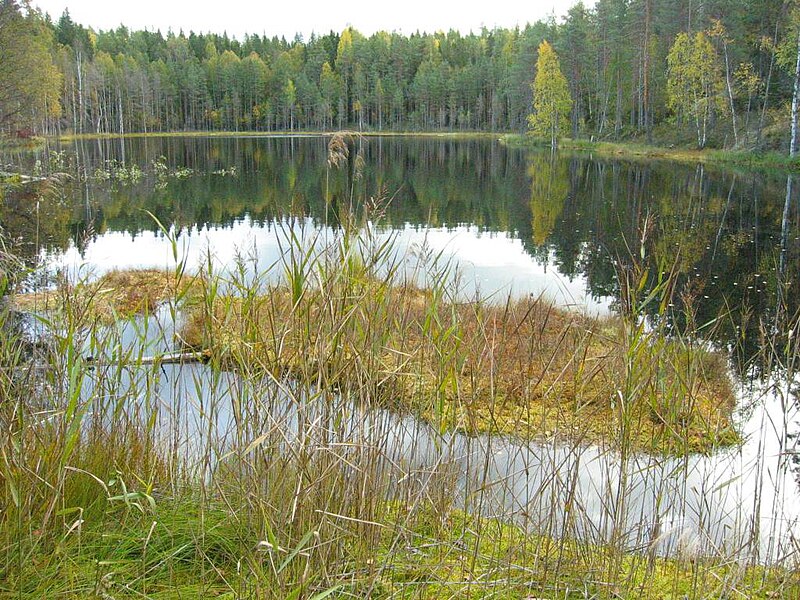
[[742, 159], [749, 160], [278, 134]]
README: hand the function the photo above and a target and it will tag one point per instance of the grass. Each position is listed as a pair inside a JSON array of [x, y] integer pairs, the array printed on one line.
[[289, 467], [425, 553], [525, 368], [743, 159]]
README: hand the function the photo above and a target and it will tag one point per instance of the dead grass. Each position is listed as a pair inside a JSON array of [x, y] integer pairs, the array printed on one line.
[[117, 294], [525, 369]]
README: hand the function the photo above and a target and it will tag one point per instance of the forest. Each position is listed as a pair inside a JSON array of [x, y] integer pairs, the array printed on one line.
[[718, 73]]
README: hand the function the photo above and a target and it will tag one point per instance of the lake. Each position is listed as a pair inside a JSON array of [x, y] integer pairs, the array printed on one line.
[[513, 222]]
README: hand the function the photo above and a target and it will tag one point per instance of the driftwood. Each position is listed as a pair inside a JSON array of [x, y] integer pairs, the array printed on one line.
[[175, 358], [161, 359]]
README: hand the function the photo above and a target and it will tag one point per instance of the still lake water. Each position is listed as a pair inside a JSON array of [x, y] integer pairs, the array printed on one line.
[[514, 222]]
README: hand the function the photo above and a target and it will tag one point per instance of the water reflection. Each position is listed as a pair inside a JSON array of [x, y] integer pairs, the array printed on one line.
[[739, 503], [733, 238]]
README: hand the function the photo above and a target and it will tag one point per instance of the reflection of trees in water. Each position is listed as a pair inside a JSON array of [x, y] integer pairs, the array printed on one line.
[[550, 184], [32, 218], [442, 182], [728, 235], [786, 278]]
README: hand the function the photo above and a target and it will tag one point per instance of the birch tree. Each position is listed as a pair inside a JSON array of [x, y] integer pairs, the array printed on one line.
[[694, 83], [552, 101]]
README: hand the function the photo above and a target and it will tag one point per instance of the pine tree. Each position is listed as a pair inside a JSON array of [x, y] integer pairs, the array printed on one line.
[[552, 101]]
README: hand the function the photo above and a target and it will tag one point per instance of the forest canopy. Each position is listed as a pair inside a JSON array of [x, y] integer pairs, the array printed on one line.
[[30, 84], [617, 57]]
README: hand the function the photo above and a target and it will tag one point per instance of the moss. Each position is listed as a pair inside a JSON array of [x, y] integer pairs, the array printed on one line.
[[453, 554]]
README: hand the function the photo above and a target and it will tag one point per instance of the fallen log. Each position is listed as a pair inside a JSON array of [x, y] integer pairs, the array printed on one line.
[[22, 178], [172, 358]]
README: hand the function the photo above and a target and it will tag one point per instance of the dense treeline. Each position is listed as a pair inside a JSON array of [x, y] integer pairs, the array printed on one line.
[[721, 70]]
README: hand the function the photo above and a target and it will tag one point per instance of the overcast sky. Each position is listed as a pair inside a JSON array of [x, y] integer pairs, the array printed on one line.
[[286, 18]]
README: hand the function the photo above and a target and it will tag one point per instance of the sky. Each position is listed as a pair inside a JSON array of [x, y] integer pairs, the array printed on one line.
[[287, 18]]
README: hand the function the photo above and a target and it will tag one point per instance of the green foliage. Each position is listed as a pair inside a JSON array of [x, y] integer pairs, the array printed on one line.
[[552, 101], [614, 59], [29, 82], [694, 81]]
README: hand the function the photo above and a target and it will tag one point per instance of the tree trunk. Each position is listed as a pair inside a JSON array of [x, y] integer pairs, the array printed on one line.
[[80, 93], [730, 92], [618, 108], [766, 89], [793, 142], [646, 91]]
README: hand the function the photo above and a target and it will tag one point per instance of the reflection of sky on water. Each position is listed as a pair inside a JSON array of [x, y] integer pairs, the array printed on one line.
[[694, 505], [490, 264]]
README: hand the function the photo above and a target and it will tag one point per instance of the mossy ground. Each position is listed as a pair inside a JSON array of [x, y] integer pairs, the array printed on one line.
[[189, 548], [459, 555]]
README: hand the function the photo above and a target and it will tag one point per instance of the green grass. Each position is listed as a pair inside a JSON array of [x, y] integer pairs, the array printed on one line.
[[637, 151], [190, 547]]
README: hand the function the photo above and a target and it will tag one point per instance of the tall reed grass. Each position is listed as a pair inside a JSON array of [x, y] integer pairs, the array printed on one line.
[[357, 435]]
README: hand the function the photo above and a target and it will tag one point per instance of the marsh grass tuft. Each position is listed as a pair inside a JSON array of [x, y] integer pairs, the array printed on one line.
[[347, 317], [114, 295]]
